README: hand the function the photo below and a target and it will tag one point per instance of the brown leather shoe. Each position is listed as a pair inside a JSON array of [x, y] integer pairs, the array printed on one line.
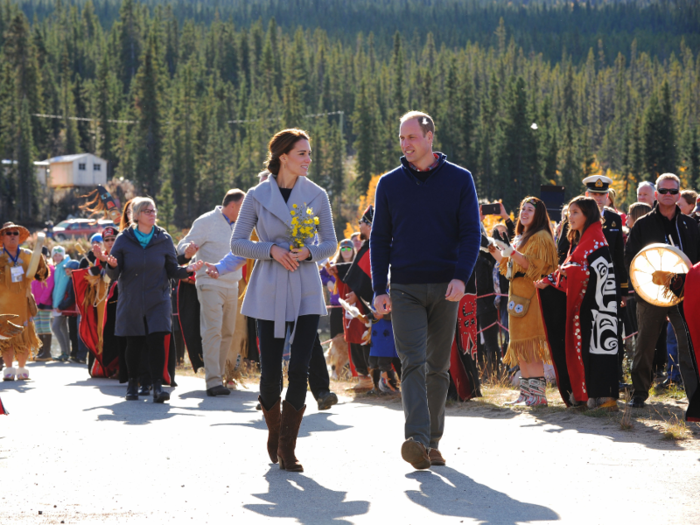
[[289, 430], [436, 458], [272, 420], [415, 453]]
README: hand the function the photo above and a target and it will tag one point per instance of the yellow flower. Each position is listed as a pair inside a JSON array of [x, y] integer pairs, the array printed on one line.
[[293, 212], [316, 221], [309, 211], [295, 221], [294, 206]]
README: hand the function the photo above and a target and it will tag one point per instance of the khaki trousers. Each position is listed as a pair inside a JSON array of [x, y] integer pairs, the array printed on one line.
[[218, 306]]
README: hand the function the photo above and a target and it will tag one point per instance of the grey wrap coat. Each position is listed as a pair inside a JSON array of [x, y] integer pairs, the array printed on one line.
[[144, 285], [274, 293]]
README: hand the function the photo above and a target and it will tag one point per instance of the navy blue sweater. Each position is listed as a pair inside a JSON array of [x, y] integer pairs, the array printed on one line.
[[428, 232]]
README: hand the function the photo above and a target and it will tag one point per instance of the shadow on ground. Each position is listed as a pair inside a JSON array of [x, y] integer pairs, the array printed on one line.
[[315, 422], [293, 495], [446, 492]]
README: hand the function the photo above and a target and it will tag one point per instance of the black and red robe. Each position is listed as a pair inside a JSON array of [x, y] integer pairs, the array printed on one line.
[[580, 315]]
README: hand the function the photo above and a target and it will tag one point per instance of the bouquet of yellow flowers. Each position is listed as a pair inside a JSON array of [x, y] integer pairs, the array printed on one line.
[[304, 225]]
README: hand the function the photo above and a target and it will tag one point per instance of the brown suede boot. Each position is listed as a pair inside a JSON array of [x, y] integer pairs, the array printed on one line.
[[272, 420], [289, 430], [45, 350]]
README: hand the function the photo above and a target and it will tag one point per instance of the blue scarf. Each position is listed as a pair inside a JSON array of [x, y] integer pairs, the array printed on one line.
[[144, 238]]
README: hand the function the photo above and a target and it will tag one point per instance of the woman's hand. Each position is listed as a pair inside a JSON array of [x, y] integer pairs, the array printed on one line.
[[504, 213], [301, 254], [97, 251], [112, 261], [285, 258], [495, 253], [542, 284], [195, 267]]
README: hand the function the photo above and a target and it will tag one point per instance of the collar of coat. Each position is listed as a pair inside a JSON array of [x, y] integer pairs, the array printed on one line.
[[269, 196], [159, 235]]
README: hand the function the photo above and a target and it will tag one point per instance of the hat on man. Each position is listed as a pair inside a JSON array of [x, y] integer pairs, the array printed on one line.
[[598, 183], [368, 215], [11, 226]]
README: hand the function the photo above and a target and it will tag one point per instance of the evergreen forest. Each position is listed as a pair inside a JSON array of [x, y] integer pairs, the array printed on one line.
[[182, 97]]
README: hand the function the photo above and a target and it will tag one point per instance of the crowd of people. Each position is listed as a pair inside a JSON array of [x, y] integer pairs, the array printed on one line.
[[427, 321]]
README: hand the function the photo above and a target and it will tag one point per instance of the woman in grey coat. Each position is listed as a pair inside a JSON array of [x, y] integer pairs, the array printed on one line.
[[285, 290], [143, 259]]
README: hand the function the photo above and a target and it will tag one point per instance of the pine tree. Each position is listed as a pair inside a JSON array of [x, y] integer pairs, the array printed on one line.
[[148, 99], [26, 179], [362, 127], [659, 135], [129, 31]]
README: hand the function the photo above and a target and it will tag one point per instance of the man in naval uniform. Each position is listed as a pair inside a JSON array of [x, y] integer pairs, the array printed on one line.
[[597, 188]]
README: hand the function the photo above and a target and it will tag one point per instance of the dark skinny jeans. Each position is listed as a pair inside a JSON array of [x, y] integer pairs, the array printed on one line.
[[271, 350]]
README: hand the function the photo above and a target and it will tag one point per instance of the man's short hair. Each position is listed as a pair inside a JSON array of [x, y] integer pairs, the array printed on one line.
[[646, 183], [668, 176], [234, 195], [356, 234], [425, 121]]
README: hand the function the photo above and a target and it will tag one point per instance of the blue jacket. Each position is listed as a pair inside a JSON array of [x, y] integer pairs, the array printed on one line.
[[428, 232]]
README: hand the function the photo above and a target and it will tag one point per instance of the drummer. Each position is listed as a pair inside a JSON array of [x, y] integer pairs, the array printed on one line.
[[664, 224]]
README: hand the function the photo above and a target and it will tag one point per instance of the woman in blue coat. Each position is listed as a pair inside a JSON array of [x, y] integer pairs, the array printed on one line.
[[143, 259], [285, 290]]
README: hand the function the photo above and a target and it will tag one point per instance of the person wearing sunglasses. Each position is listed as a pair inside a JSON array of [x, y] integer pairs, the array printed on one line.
[[664, 224], [143, 259], [16, 299]]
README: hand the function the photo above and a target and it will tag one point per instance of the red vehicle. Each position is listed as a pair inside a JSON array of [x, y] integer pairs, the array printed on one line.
[[72, 228]]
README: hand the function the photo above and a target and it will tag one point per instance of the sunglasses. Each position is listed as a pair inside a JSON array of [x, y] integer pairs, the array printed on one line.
[[109, 239], [365, 221], [346, 249], [149, 212], [664, 191], [12, 233]]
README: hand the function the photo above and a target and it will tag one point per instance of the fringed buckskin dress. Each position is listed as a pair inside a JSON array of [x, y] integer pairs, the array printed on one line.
[[528, 339]]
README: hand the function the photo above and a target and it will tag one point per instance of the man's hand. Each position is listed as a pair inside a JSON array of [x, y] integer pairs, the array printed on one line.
[[382, 304], [623, 301], [112, 261], [191, 250], [351, 298], [455, 290], [504, 213], [211, 270]]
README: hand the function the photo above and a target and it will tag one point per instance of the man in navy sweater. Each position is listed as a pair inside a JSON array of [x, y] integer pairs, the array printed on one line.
[[426, 228]]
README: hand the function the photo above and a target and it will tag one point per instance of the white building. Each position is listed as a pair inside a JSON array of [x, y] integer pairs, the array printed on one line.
[[81, 169]]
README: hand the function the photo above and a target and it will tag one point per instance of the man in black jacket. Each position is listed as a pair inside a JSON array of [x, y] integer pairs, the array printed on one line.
[[664, 224]]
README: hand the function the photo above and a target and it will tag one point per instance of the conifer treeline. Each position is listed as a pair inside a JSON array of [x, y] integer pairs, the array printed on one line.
[[185, 109]]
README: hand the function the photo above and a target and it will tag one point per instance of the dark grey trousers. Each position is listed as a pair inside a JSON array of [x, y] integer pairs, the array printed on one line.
[[424, 328], [651, 319]]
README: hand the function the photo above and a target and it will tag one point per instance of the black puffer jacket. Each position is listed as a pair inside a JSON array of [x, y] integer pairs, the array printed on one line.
[[649, 229]]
